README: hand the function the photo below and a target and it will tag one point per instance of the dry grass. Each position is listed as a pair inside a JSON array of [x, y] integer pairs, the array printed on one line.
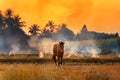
[[66, 72], [83, 69]]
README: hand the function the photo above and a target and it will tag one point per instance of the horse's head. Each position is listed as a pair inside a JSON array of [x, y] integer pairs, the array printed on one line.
[[61, 44]]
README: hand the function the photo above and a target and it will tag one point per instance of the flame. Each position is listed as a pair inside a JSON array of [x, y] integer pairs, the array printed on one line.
[[41, 55]]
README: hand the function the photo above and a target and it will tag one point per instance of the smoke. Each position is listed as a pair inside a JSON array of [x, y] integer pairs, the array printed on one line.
[[15, 49], [33, 42], [11, 43], [8, 45], [1, 45], [87, 48], [45, 46], [11, 48]]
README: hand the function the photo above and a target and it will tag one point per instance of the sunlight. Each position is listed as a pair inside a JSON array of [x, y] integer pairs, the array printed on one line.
[[74, 13]]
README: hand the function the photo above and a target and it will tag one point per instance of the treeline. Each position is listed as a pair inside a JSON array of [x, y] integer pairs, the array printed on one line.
[[108, 46], [92, 35], [61, 32], [11, 33]]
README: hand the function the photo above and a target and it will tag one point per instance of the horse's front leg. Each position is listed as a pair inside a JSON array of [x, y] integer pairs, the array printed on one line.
[[61, 60], [54, 59]]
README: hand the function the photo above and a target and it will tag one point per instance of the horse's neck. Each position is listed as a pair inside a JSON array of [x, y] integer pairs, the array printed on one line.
[[60, 47]]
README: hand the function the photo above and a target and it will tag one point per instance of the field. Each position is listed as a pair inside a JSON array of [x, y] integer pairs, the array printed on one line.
[[31, 67]]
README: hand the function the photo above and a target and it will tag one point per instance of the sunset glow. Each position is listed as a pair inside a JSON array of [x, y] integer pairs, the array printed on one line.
[[98, 15]]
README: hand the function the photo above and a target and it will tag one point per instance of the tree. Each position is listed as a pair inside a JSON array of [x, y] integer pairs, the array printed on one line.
[[13, 31], [49, 29], [12, 20], [9, 13], [9, 21], [1, 20], [18, 22], [84, 29], [50, 26], [34, 29], [117, 35], [64, 34]]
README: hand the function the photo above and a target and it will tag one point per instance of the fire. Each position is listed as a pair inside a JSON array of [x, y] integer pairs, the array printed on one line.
[[119, 55], [41, 55], [95, 55]]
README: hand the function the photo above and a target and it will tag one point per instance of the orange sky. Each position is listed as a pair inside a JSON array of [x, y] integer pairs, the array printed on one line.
[[99, 15]]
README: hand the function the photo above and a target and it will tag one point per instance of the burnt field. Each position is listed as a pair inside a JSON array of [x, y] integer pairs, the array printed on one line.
[[34, 58]]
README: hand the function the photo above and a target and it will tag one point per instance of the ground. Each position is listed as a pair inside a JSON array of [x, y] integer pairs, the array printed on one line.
[[49, 71], [73, 68]]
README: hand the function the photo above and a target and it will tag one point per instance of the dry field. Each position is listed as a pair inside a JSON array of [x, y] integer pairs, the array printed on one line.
[[70, 70], [66, 72]]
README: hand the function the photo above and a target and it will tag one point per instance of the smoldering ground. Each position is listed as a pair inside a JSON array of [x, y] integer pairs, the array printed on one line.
[[42, 46], [45, 46]]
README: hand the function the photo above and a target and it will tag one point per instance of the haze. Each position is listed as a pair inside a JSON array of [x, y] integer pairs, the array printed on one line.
[[98, 15]]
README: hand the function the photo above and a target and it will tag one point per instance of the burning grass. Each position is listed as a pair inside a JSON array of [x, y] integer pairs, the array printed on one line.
[[66, 72], [34, 58]]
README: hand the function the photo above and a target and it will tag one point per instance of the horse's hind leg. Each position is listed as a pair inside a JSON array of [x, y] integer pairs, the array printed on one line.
[[54, 59], [61, 60]]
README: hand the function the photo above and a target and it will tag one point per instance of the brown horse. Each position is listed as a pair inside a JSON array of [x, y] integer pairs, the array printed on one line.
[[58, 51]]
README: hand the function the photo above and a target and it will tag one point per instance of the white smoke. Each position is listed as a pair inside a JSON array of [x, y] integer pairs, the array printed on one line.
[[87, 48], [15, 49], [44, 46], [84, 48], [33, 42]]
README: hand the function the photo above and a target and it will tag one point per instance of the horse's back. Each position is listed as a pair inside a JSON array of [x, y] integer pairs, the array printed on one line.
[[55, 49]]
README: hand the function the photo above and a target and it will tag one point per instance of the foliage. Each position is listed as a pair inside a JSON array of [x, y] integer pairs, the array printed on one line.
[[34, 29], [92, 35], [11, 32]]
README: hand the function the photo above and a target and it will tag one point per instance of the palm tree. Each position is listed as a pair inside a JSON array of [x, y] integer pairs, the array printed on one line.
[[1, 20], [50, 26], [12, 33], [13, 21], [63, 25], [49, 29], [34, 29], [46, 33], [18, 22], [9, 21], [9, 13]]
